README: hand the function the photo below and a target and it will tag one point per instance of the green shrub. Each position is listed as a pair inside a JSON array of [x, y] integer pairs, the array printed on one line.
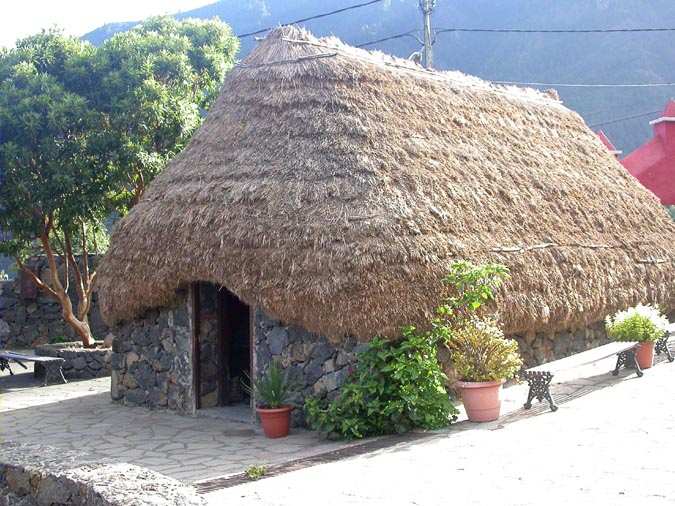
[[480, 352], [270, 390], [396, 386], [473, 286], [640, 323]]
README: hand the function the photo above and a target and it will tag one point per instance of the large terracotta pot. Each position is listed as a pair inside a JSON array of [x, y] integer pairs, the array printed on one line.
[[645, 354], [481, 399], [275, 422]]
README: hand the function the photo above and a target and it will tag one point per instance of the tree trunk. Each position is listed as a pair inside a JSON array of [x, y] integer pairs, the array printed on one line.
[[81, 328], [59, 291]]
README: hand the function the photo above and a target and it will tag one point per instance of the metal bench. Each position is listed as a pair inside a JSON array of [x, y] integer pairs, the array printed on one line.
[[48, 368], [539, 380], [662, 345], [627, 358]]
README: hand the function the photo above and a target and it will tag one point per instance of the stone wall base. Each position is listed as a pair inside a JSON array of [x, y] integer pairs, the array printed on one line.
[[28, 320], [151, 361], [541, 347], [80, 363]]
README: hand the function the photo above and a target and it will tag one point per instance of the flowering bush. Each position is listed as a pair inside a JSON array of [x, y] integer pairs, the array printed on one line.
[[640, 323], [480, 352]]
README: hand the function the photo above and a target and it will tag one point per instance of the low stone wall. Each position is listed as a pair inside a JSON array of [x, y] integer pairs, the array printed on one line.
[[151, 361], [80, 363], [314, 366], [46, 476], [29, 321], [541, 347]]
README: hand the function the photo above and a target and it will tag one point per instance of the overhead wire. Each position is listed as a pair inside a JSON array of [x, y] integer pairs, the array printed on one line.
[[624, 118], [310, 18]]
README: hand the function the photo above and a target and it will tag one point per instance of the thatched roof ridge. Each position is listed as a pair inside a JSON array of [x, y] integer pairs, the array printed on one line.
[[332, 187]]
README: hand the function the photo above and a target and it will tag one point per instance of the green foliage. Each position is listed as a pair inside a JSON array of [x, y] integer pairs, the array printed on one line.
[[54, 156], [480, 352], [59, 339], [154, 83], [473, 287], [272, 389], [255, 472], [397, 386], [637, 324], [478, 348], [83, 130]]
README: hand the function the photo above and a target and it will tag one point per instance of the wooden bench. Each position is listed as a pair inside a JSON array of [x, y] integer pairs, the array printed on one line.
[[539, 379], [49, 368]]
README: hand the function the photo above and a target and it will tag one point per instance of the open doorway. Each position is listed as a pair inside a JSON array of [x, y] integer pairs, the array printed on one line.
[[221, 348]]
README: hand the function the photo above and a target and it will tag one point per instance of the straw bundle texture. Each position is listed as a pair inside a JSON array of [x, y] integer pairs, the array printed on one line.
[[332, 187]]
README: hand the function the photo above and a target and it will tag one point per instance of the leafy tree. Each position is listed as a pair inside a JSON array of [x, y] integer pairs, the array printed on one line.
[[82, 132], [154, 83], [54, 175]]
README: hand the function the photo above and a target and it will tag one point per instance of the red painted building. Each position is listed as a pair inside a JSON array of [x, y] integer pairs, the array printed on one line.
[[653, 163], [605, 140]]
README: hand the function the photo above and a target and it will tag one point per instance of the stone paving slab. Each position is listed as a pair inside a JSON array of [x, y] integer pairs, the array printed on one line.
[[80, 416]]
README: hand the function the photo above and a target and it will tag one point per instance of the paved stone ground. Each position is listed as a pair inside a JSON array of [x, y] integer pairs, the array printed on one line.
[[79, 416], [611, 442]]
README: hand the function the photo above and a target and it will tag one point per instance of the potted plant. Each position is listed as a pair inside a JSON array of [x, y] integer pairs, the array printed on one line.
[[271, 392], [643, 324], [483, 360]]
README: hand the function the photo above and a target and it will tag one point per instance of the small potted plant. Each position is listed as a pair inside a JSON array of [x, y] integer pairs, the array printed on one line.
[[483, 360], [271, 392], [642, 324]]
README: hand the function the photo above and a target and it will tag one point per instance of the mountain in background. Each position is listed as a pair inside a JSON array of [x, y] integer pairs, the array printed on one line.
[[546, 58]]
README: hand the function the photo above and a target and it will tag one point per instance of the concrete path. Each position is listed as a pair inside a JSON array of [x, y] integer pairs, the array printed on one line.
[[79, 416], [612, 442]]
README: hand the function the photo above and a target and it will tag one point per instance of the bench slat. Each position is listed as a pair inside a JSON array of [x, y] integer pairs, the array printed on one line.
[[27, 358]]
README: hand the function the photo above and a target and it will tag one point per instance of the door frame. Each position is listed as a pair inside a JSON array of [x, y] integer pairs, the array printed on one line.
[[223, 344], [196, 351]]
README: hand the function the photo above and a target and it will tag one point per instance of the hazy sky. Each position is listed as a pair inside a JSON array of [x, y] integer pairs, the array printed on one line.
[[19, 18]]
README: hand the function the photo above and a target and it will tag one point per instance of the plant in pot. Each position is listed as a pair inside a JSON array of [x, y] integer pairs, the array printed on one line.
[[271, 392], [483, 360], [643, 324], [481, 357]]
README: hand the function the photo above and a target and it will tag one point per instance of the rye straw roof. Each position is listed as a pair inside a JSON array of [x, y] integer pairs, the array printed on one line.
[[333, 186]]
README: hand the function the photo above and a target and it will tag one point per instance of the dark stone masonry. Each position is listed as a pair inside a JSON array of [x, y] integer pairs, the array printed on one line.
[[80, 363], [29, 317], [151, 361], [541, 347], [152, 356], [314, 366]]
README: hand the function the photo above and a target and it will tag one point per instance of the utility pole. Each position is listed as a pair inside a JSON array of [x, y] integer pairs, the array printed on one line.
[[426, 6]]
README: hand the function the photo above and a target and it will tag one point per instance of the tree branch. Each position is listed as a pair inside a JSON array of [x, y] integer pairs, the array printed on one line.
[[38, 282]]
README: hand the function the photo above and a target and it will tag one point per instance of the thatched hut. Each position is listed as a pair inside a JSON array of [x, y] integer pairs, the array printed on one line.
[[327, 192]]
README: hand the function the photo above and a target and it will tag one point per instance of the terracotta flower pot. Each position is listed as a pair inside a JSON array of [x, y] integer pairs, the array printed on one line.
[[645, 354], [481, 399], [275, 422]]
